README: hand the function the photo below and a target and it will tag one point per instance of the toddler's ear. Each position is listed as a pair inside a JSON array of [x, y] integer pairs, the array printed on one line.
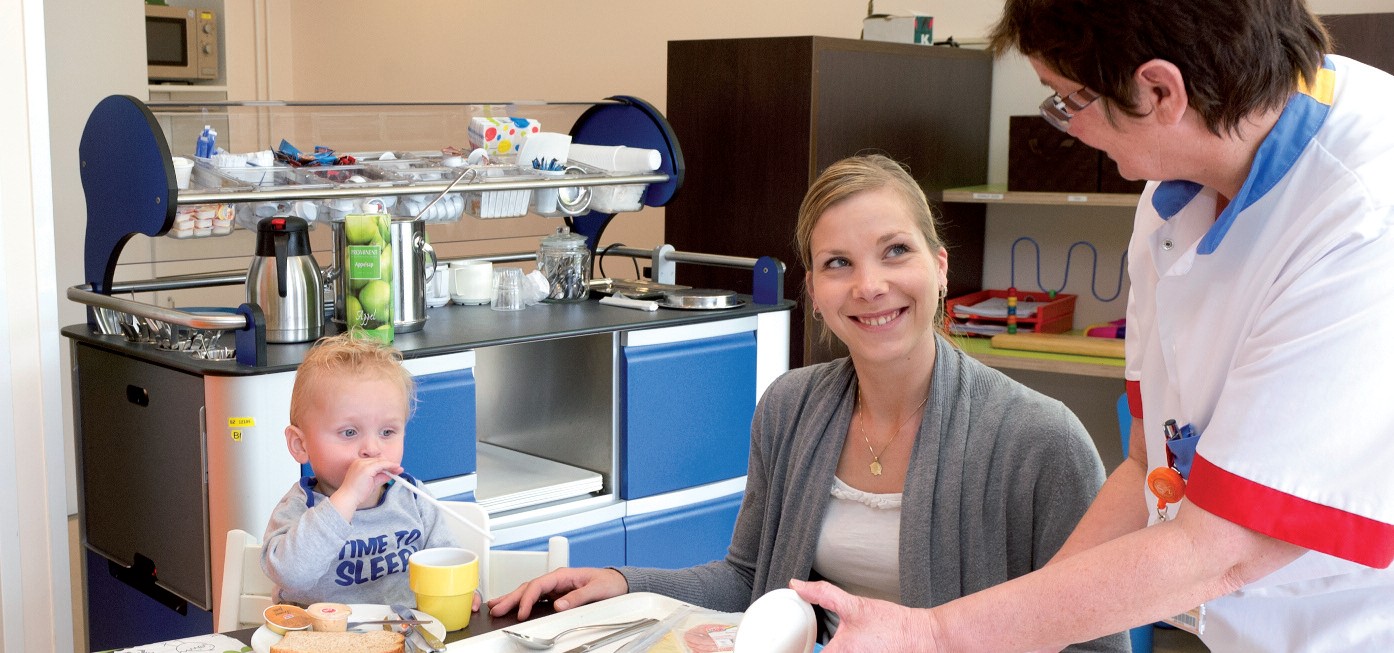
[[295, 442]]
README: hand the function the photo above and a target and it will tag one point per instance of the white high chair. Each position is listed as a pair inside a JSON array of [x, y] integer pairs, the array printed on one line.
[[502, 571], [246, 590]]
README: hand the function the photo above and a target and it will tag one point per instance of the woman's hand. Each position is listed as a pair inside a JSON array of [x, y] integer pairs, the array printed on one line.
[[868, 625], [567, 587]]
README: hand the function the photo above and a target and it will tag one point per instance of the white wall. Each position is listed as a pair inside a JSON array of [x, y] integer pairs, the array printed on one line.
[[34, 590]]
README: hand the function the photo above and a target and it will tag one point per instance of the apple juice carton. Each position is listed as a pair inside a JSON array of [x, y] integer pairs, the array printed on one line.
[[368, 272]]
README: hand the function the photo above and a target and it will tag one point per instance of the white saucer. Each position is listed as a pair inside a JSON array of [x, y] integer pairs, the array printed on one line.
[[263, 639]]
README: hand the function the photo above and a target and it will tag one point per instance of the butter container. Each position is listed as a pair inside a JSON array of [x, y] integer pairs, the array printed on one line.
[[281, 618]]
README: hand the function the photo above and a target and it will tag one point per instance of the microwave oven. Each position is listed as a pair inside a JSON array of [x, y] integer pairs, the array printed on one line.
[[181, 43]]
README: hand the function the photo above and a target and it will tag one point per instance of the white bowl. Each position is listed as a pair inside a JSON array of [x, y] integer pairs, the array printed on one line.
[[778, 622]]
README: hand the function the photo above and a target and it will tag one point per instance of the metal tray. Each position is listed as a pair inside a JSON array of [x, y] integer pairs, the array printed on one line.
[[701, 299]]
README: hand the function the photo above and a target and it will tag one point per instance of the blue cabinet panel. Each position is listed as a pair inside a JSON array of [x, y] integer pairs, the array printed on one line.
[[686, 410], [441, 433], [120, 616], [601, 545], [684, 536]]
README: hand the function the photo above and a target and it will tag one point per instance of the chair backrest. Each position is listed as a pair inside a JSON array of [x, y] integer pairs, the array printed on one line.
[[501, 571], [246, 590]]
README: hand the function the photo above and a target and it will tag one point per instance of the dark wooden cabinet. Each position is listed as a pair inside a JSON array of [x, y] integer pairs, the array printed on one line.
[[1363, 37], [759, 118]]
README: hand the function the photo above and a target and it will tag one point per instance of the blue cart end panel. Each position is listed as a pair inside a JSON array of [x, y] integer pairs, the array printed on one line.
[[682, 537], [440, 434], [686, 413]]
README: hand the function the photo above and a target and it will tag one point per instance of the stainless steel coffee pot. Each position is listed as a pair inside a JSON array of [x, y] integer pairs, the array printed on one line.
[[285, 281]]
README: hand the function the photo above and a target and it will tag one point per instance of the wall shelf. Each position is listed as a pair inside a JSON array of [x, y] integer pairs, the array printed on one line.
[[998, 194]]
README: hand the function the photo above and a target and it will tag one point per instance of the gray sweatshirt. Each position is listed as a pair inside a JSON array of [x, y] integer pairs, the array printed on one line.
[[313, 555], [999, 476]]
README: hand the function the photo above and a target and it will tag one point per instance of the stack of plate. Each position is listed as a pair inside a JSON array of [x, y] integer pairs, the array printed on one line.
[[509, 480]]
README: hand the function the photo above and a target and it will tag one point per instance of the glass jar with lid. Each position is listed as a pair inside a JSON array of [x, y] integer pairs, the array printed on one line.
[[565, 261]]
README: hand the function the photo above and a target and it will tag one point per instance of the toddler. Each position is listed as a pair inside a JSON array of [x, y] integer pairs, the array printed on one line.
[[345, 533]]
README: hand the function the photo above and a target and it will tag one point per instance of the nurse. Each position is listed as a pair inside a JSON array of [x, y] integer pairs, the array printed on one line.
[[1259, 503]]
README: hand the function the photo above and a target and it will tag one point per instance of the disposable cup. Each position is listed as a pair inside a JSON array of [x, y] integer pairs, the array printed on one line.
[[510, 291], [547, 197], [444, 581], [183, 169]]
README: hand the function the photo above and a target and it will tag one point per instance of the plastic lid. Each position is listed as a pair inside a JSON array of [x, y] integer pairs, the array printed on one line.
[[564, 239]]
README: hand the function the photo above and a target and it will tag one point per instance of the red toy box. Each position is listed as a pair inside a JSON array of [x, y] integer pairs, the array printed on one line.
[[1053, 315]]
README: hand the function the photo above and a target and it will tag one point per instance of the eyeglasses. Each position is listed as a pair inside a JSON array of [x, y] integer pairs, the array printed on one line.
[[1059, 110]]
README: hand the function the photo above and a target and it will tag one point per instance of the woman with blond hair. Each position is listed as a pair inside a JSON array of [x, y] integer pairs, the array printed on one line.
[[907, 471]]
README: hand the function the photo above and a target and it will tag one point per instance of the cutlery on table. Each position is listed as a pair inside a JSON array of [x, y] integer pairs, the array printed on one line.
[[614, 637], [394, 622], [542, 643], [422, 638]]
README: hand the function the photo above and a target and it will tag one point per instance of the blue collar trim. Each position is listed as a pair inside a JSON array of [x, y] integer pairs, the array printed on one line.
[[1296, 127], [1172, 196]]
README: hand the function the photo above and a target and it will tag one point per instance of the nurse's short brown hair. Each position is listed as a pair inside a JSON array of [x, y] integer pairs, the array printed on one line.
[[1238, 57]]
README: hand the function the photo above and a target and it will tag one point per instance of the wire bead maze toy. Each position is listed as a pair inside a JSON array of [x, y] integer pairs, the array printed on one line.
[[1093, 276]]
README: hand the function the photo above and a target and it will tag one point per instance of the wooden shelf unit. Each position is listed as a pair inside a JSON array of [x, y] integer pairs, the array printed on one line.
[[998, 194]]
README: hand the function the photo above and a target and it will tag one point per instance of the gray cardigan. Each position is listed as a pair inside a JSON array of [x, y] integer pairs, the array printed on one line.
[[999, 476]]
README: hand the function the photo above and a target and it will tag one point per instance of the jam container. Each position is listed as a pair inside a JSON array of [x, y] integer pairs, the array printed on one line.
[[565, 260]]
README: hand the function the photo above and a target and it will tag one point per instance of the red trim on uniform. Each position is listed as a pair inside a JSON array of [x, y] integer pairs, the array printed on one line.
[[1292, 519], [1134, 389]]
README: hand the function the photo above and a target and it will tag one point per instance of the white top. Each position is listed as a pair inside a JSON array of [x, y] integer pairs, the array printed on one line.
[[859, 548], [1266, 330]]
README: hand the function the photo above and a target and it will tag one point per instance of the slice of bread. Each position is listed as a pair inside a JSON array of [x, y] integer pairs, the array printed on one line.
[[308, 641]]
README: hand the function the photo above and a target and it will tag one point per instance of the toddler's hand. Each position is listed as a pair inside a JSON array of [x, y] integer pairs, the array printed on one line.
[[361, 483]]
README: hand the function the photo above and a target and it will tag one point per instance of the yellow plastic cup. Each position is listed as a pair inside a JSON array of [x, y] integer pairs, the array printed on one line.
[[444, 580]]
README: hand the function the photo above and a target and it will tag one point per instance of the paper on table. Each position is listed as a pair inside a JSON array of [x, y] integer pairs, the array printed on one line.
[[213, 642]]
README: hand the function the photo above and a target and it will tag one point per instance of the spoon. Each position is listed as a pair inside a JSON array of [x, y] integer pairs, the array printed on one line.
[[541, 643]]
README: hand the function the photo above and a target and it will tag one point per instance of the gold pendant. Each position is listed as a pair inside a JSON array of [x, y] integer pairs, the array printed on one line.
[[876, 467]]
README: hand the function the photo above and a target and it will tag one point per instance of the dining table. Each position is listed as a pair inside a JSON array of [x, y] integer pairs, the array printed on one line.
[[482, 634]]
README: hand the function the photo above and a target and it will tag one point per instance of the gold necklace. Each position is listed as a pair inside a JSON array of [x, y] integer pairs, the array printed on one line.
[[876, 457]]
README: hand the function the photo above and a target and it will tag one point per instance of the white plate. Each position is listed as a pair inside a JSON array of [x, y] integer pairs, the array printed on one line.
[[263, 638]]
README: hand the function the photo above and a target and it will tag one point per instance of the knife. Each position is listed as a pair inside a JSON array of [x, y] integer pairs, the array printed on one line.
[[423, 638], [613, 637], [355, 624]]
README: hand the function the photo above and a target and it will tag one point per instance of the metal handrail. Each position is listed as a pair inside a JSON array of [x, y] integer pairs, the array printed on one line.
[[83, 294]]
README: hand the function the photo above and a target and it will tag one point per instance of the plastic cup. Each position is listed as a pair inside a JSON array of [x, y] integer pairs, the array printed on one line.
[[444, 581], [547, 197], [510, 291], [183, 169]]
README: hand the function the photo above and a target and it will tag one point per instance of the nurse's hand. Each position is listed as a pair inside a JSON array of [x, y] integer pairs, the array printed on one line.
[[567, 587], [868, 625]]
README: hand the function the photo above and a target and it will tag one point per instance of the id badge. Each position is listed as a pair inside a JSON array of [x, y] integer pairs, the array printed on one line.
[[1191, 621]]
